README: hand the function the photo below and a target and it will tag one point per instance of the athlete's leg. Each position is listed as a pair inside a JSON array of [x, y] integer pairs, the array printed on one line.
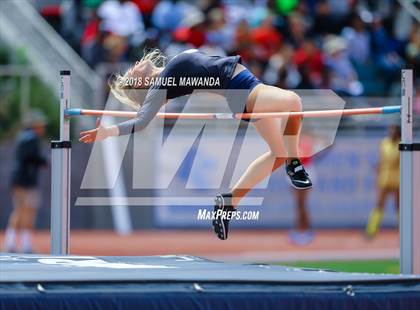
[[27, 229], [302, 218], [375, 217], [265, 98], [270, 130], [13, 225], [269, 99], [15, 221]]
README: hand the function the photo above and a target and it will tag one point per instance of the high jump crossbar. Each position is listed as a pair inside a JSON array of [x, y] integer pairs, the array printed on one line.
[[409, 162], [325, 113]]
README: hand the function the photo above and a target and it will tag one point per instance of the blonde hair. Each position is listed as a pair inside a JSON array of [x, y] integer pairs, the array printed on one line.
[[129, 95]]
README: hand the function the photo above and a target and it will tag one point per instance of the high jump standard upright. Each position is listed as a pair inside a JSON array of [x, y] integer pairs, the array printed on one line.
[[409, 182], [61, 175]]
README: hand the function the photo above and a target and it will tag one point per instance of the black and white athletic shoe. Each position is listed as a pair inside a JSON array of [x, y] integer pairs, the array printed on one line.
[[298, 176], [223, 213]]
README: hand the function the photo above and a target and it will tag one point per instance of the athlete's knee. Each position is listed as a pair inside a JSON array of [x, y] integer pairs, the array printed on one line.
[[295, 101]]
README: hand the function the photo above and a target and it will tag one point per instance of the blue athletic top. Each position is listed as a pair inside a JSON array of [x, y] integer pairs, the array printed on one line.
[[186, 72]]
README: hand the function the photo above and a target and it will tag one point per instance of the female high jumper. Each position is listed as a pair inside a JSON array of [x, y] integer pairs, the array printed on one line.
[[231, 75]]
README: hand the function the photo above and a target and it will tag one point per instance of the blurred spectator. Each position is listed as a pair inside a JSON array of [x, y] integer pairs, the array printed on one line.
[[403, 24], [388, 181], [358, 40], [302, 234], [412, 50], [168, 14], [237, 11], [179, 42], [122, 18], [146, 7], [416, 105], [280, 70], [310, 64], [54, 15], [266, 38], [256, 68], [340, 13], [258, 13], [92, 41], [194, 22], [297, 29], [27, 162], [219, 37], [379, 36], [324, 22], [383, 7], [71, 21], [385, 54], [342, 76], [243, 42]]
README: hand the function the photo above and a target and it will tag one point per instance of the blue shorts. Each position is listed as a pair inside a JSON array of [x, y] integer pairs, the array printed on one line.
[[237, 99]]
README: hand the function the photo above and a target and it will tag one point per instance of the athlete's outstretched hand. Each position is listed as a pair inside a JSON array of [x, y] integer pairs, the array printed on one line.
[[99, 133]]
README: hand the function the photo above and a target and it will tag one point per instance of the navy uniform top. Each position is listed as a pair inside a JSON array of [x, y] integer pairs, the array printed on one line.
[[27, 160], [186, 72]]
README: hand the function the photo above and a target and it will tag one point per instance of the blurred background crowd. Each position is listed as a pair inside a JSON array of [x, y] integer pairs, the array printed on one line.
[[355, 47]]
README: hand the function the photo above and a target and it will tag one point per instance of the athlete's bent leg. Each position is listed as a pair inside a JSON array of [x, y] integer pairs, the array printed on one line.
[[270, 130], [264, 98], [262, 167]]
